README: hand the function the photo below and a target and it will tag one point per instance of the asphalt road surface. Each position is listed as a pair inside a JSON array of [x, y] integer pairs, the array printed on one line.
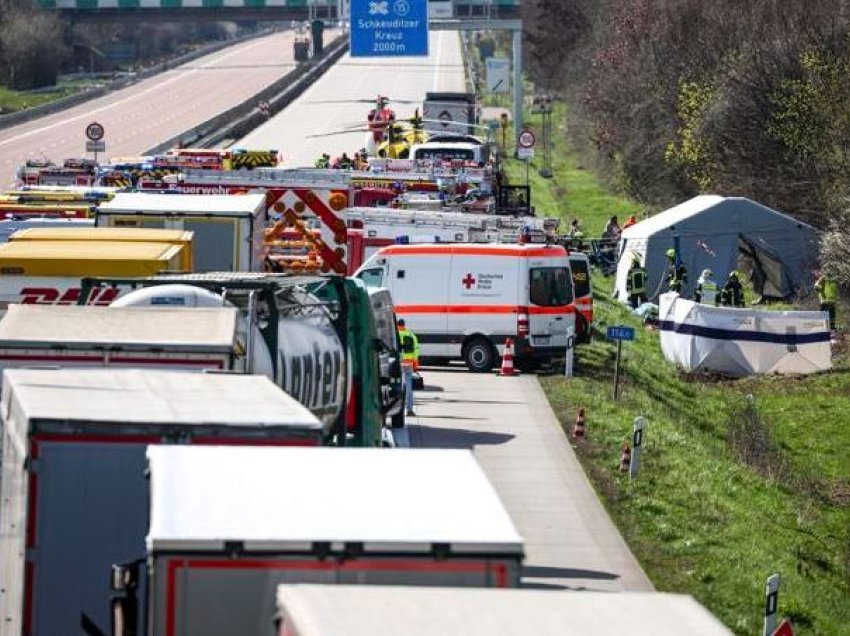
[[570, 540], [156, 109], [343, 96]]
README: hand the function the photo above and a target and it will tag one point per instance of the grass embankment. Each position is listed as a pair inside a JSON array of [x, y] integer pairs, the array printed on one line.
[[731, 490], [13, 101]]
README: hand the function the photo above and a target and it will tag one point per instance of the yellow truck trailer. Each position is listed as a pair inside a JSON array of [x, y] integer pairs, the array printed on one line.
[[49, 272], [114, 234]]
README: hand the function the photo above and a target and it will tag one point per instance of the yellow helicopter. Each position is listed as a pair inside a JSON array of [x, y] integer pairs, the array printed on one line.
[[400, 135]]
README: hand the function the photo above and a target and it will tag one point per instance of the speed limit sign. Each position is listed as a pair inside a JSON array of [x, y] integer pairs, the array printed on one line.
[[526, 139], [94, 131]]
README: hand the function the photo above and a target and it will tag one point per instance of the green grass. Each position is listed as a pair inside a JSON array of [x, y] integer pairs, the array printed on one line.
[[701, 520], [13, 101]]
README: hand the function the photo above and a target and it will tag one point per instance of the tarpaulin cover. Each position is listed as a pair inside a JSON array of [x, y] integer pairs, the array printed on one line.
[[741, 342]]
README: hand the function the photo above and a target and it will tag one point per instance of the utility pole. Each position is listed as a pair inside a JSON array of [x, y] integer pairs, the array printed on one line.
[[542, 105]]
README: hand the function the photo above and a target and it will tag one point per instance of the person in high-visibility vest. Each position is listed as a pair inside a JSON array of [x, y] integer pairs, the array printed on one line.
[[677, 276], [707, 292], [827, 289], [636, 283], [409, 362]]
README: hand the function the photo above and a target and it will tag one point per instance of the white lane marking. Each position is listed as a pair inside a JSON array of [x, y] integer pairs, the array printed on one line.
[[437, 61], [177, 76]]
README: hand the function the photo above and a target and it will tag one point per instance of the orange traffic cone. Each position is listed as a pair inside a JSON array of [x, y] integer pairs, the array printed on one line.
[[508, 359], [578, 429], [625, 458]]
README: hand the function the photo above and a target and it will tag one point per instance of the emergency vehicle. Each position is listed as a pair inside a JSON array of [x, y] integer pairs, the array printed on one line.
[[464, 300]]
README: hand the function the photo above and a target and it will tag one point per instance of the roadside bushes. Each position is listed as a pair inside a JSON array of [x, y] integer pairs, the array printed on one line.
[[678, 97]]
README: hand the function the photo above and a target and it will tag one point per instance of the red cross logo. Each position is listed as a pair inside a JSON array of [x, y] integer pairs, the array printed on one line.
[[468, 282]]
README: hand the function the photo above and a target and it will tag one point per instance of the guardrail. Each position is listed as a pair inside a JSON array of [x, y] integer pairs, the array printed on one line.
[[23, 116], [238, 121]]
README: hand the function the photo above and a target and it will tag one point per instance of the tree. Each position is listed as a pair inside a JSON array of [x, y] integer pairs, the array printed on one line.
[[33, 48]]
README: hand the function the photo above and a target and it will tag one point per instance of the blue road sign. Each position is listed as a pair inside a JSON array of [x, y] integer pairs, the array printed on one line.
[[620, 333], [389, 28]]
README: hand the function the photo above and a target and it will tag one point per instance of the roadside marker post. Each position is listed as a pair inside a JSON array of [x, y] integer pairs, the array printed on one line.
[[771, 604], [637, 443], [570, 353], [619, 333]]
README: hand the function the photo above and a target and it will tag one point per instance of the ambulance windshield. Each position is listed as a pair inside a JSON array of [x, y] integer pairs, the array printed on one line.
[[372, 277], [550, 286]]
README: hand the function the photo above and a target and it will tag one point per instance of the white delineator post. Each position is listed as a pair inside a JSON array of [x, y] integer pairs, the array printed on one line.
[[637, 443], [771, 604], [568, 357]]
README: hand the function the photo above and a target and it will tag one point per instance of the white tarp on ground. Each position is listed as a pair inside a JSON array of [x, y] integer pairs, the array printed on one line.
[[741, 342]]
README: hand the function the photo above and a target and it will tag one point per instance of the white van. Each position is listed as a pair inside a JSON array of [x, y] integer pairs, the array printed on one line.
[[463, 300], [450, 151]]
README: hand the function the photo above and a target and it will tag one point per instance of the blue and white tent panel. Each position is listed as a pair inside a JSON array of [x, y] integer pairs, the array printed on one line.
[[740, 342]]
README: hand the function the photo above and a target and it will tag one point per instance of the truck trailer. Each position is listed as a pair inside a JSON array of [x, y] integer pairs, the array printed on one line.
[[218, 546], [49, 272], [180, 338], [229, 230], [324, 610], [311, 334], [73, 482]]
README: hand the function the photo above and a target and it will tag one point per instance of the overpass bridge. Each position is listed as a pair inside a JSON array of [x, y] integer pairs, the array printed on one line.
[[257, 10]]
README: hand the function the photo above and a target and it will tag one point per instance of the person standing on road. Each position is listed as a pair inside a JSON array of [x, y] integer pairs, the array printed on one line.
[[409, 361], [827, 289], [636, 283]]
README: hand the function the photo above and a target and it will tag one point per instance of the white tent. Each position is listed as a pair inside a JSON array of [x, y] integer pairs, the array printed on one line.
[[741, 342], [775, 251]]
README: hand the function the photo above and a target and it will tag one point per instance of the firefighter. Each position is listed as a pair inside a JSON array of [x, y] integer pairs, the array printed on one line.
[[706, 291], [345, 162], [677, 275], [324, 161], [409, 361], [636, 283], [827, 289], [733, 293]]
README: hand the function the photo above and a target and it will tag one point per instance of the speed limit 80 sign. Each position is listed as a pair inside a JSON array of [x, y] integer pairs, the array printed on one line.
[[526, 139], [94, 131]]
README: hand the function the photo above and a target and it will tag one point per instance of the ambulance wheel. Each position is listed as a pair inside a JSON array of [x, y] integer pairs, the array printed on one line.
[[479, 355], [397, 420]]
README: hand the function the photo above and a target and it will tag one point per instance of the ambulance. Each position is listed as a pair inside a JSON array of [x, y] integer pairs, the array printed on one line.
[[463, 300]]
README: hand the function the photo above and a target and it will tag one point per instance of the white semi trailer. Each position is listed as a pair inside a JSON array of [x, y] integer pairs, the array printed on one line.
[[73, 482], [227, 525]]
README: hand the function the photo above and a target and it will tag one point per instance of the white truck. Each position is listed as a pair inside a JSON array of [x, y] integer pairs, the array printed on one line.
[[218, 546], [211, 337], [73, 482], [229, 230], [464, 300], [382, 227], [324, 610]]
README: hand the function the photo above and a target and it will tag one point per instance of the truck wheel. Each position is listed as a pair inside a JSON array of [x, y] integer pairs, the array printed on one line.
[[397, 420], [479, 355]]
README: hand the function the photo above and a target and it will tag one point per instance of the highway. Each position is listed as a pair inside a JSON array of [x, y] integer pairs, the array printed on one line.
[[156, 109], [339, 100], [570, 541], [507, 422]]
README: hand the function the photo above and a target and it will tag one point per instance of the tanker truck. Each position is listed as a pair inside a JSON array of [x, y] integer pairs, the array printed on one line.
[[315, 336]]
